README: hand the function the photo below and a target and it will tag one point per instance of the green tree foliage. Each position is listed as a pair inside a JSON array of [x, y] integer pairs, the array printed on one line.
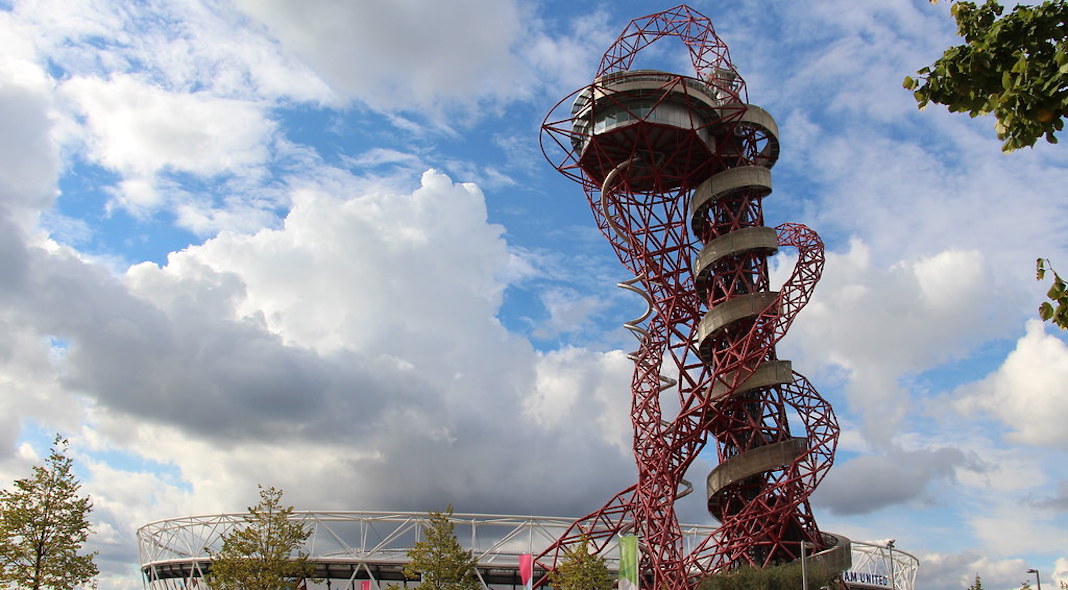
[[776, 577], [43, 525], [1014, 66], [1056, 309], [580, 570], [438, 560], [264, 553], [978, 585]]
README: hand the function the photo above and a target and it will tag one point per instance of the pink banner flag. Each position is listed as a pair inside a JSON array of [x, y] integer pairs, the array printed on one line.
[[365, 584], [526, 570]]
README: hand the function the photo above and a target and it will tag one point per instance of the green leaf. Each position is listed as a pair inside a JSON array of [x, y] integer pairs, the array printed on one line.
[[1061, 319], [1020, 66], [1045, 311], [1056, 291]]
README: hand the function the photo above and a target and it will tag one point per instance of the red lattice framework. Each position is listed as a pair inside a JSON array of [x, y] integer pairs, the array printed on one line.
[[675, 169]]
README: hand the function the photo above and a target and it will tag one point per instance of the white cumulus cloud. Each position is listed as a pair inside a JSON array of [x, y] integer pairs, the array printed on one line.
[[1027, 392]]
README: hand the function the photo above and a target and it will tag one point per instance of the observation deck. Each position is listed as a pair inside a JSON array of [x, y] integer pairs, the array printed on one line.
[[665, 120]]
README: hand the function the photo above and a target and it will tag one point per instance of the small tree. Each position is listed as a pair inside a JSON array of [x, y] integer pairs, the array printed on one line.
[[43, 525], [581, 571], [438, 560], [978, 585], [260, 555]]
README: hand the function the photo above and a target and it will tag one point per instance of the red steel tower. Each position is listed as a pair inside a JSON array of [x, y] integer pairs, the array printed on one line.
[[676, 168]]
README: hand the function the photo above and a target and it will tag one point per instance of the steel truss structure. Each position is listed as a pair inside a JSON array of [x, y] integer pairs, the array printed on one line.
[[881, 567], [347, 547], [676, 169]]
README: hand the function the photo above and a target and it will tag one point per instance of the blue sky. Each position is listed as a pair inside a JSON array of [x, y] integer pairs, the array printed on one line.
[[315, 245]]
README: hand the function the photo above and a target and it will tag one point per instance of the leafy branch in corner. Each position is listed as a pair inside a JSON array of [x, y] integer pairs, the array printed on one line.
[[1056, 309], [1014, 66]]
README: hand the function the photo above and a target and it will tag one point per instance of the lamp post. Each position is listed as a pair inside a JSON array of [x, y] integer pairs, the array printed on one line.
[[1034, 571], [804, 575], [890, 546]]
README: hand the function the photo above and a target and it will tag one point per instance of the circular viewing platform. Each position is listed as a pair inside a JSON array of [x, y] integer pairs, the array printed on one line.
[[664, 120]]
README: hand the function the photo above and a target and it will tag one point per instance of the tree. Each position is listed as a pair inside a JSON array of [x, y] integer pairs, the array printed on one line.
[[581, 571], [1014, 66], [1057, 294], [260, 554], [978, 585], [43, 525], [438, 560], [785, 576]]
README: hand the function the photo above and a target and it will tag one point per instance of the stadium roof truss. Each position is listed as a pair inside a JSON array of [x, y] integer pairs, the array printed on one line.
[[361, 545]]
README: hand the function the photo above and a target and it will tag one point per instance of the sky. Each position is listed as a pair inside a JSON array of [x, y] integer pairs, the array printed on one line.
[[316, 245]]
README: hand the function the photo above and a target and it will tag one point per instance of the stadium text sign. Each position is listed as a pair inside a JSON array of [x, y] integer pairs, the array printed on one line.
[[852, 577]]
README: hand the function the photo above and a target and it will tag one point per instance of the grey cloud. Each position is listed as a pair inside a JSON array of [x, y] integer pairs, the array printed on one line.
[[449, 53], [954, 571], [495, 468], [943, 572], [872, 482], [1057, 502], [13, 263], [443, 425], [234, 383], [30, 158], [221, 378]]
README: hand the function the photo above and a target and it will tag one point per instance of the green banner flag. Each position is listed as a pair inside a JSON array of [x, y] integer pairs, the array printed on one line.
[[628, 562]]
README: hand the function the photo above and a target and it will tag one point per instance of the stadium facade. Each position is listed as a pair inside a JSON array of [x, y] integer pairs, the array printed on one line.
[[368, 550]]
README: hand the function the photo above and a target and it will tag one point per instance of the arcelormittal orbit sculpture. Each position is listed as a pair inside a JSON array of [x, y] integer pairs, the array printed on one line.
[[676, 168]]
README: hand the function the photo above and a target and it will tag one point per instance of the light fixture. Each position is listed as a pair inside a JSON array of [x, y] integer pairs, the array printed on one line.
[[1038, 580]]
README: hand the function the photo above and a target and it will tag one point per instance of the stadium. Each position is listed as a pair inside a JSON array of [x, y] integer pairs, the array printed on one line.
[[368, 550]]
